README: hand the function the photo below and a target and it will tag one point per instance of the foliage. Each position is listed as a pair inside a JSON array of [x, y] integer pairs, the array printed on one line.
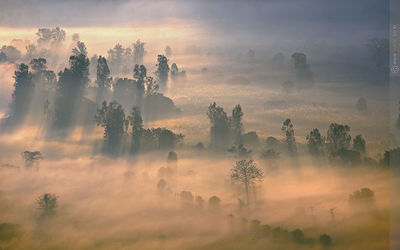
[[162, 71], [172, 157], [53, 36], [270, 154], [31, 157], [391, 158], [214, 202], [220, 127], [240, 151], [359, 144], [338, 137], [325, 240], [364, 195], [79, 49], [237, 125], [23, 90], [303, 70], [315, 142], [288, 131], [111, 117], [47, 204], [138, 52]]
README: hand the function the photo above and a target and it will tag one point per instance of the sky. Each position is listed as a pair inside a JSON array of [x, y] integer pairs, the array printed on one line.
[[229, 22]]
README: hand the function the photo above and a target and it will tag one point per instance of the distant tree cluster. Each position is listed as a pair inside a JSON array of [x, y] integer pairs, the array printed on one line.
[[117, 127], [224, 129]]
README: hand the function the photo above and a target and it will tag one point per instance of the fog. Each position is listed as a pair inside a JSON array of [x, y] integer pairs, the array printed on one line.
[[197, 125]]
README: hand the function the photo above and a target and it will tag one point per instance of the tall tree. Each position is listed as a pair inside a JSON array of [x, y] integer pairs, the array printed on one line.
[[315, 142], [136, 122], [168, 51], [237, 125], [338, 137], [359, 144], [247, 173], [162, 71], [71, 85], [22, 94], [288, 131], [303, 69], [138, 52], [80, 49], [220, 129], [103, 79], [111, 117]]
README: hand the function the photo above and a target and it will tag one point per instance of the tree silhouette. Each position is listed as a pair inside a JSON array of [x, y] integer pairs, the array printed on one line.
[[338, 137], [136, 122], [47, 204], [237, 125], [22, 94], [288, 131], [220, 127], [71, 85], [315, 142], [162, 71], [359, 144], [247, 173], [138, 52], [31, 157], [112, 118]]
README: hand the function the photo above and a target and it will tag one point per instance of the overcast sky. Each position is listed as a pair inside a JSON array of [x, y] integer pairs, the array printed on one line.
[[350, 20]]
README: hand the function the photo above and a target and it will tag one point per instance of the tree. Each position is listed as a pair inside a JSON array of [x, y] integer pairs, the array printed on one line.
[[115, 58], [138, 52], [71, 85], [23, 90], [338, 137], [31, 157], [237, 125], [240, 151], [362, 105], [168, 51], [288, 131], [214, 202], [359, 144], [162, 71], [79, 49], [362, 196], [136, 122], [172, 157], [112, 118], [54, 36], [103, 79], [315, 142], [47, 204], [40, 75], [247, 173], [325, 240], [176, 75], [220, 127], [303, 70]]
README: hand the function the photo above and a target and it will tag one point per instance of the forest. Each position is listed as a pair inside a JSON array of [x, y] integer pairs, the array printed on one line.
[[142, 142]]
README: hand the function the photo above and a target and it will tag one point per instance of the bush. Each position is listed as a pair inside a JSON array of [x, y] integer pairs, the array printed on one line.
[[325, 240]]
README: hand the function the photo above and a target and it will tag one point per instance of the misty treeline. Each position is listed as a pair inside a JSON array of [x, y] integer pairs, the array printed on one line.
[[66, 99], [338, 146]]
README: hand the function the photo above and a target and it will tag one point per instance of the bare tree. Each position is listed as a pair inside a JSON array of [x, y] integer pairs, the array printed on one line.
[[247, 173]]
